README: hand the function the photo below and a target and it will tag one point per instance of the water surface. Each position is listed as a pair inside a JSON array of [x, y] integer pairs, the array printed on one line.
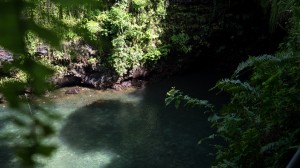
[[131, 128]]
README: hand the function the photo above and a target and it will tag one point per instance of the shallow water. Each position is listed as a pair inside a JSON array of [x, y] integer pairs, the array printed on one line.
[[131, 128]]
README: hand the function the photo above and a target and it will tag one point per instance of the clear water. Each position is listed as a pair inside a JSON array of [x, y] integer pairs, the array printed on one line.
[[129, 129]]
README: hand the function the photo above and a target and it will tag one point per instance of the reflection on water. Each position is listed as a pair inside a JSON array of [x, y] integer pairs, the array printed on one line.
[[130, 129]]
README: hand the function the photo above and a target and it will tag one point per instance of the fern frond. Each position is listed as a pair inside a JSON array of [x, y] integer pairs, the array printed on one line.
[[253, 60], [178, 97], [269, 147], [234, 85]]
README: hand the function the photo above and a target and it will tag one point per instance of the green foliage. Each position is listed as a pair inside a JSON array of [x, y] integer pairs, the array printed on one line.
[[25, 131], [178, 98], [93, 26], [292, 43], [135, 30], [11, 34], [127, 34], [279, 11], [32, 41], [188, 27], [264, 113], [21, 22], [260, 125], [139, 4], [180, 41]]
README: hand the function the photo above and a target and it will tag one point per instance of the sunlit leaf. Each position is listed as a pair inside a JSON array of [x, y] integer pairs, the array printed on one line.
[[168, 100]]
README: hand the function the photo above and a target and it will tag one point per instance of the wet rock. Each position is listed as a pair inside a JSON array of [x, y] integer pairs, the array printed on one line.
[[84, 73], [82, 48], [101, 80], [67, 80], [126, 84], [139, 72], [122, 85], [72, 91], [42, 50], [5, 56], [138, 83]]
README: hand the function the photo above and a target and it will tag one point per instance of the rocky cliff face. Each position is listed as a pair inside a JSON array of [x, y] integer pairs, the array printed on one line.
[[100, 77], [84, 72], [79, 57], [190, 16]]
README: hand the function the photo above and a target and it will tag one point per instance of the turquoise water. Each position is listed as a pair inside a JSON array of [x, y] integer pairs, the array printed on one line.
[[129, 129]]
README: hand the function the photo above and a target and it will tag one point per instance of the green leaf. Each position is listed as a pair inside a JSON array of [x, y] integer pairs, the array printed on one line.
[[11, 91], [11, 27], [214, 118], [46, 150], [38, 73], [212, 136], [177, 103], [168, 100]]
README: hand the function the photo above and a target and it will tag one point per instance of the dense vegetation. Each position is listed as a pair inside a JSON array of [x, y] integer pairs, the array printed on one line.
[[259, 125]]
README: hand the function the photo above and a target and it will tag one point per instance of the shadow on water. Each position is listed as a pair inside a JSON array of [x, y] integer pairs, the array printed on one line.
[[142, 134], [94, 127], [6, 152], [6, 156]]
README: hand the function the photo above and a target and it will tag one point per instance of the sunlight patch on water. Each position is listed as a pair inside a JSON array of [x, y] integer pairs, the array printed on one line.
[[66, 158], [87, 96], [65, 104]]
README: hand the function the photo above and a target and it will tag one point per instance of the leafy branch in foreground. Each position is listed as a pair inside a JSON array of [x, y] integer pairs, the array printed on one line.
[[26, 132], [28, 128], [179, 98], [260, 125]]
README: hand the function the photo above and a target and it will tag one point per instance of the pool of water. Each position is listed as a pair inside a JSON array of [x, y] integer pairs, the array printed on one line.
[[131, 128]]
